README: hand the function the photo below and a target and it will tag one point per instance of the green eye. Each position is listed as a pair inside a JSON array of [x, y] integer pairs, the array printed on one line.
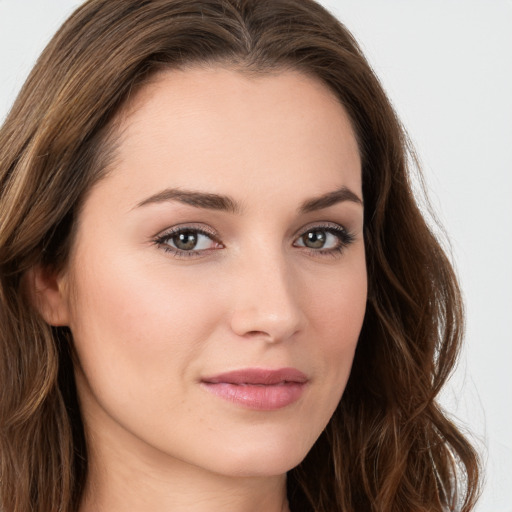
[[329, 239], [187, 241], [315, 239]]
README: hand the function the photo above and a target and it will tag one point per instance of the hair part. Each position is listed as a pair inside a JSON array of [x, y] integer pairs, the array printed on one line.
[[389, 446]]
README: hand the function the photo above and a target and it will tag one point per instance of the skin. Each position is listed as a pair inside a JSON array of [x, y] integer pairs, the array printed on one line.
[[148, 325]]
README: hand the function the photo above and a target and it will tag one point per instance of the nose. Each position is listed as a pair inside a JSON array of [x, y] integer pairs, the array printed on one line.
[[267, 301]]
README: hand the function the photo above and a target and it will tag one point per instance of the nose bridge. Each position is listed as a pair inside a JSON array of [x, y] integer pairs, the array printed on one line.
[[266, 300]]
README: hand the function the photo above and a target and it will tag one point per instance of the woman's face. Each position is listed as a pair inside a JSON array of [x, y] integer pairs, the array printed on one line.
[[217, 285]]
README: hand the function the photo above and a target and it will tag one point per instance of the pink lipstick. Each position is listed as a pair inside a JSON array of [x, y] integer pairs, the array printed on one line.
[[258, 388]]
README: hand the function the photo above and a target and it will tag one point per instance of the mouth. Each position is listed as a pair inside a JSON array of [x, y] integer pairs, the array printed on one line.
[[258, 388]]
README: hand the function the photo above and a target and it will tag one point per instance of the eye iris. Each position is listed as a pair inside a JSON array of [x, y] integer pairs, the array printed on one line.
[[185, 241], [314, 239]]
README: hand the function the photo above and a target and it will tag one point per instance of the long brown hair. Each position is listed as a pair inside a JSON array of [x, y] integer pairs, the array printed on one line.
[[389, 447]]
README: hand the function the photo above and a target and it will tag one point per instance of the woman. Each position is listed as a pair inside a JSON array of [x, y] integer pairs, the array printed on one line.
[[217, 289]]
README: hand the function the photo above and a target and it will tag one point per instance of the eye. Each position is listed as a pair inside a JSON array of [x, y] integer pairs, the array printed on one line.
[[325, 239], [190, 240], [187, 241]]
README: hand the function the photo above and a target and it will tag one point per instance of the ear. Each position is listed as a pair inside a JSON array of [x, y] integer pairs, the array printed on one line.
[[48, 292]]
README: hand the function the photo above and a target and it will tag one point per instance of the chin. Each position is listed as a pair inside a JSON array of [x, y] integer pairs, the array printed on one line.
[[262, 457]]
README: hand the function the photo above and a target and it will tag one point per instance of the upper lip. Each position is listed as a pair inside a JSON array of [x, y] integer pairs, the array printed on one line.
[[261, 376]]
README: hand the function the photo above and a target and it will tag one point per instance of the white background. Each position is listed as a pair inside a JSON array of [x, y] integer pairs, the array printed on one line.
[[447, 66]]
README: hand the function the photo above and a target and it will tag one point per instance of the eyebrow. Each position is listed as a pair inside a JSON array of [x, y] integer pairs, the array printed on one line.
[[221, 202], [330, 199], [198, 199]]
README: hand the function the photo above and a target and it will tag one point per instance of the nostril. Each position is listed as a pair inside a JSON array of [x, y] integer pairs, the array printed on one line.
[[257, 334]]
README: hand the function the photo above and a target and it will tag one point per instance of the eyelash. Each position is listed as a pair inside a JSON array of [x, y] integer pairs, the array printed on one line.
[[345, 238], [163, 239]]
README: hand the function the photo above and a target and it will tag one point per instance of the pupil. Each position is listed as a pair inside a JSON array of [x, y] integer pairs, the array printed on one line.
[[185, 241], [315, 239]]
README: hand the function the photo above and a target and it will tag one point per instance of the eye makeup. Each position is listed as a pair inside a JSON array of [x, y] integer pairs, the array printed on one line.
[[314, 239], [186, 241]]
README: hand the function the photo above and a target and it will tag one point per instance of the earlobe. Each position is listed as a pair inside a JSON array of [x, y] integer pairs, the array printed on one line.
[[48, 293]]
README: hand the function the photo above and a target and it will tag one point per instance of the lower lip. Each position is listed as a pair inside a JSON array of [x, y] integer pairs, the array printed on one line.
[[258, 397]]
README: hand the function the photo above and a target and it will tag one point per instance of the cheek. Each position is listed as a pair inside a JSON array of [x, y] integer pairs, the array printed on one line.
[[136, 322], [336, 306]]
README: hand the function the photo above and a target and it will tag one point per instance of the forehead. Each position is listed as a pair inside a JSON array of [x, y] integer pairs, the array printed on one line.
[[226, 129]]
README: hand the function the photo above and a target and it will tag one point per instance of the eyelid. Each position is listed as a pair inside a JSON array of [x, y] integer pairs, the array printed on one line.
[[200, 228], [161, 240], [345, 238], [327, 225]]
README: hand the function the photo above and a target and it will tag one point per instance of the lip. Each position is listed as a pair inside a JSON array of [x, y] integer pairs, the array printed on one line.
[[258, 388]]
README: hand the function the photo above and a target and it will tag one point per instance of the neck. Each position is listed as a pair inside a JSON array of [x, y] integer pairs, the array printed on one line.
[[138, 481], [139, 491]]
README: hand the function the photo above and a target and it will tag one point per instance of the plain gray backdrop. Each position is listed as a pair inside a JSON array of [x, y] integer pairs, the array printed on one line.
[[447, 67]]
